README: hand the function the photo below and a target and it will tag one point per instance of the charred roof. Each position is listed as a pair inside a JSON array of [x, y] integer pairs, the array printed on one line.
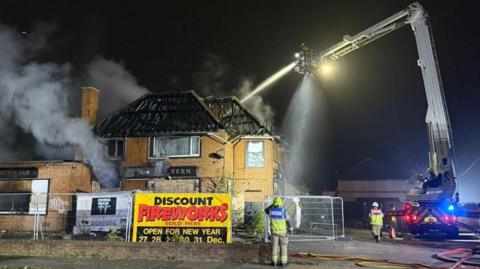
[[236, 119], [180, 113]]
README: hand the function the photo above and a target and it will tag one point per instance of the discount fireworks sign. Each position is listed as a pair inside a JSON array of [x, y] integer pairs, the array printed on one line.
[[182, 217]]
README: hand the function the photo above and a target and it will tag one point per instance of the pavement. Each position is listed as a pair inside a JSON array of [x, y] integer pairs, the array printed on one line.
[[357, 243]]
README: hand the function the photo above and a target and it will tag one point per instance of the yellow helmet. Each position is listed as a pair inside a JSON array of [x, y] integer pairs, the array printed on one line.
[[277, 201]]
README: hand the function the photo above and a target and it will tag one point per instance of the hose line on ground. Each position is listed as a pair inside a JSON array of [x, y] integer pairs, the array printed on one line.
[[363, 261]]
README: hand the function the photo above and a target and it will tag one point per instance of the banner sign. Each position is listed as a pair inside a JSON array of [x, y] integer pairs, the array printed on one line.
[[27, 172], [182, 217], [182, 171]]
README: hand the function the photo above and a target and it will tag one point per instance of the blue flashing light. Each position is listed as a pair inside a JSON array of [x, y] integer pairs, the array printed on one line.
[[451, 208]]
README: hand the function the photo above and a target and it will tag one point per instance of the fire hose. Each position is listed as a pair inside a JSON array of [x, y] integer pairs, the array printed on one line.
[[446, 256], [363, 261], [468, 253], [381, 263]]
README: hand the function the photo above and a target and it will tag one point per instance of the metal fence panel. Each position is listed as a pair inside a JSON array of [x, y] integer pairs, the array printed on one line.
[[313, 217]]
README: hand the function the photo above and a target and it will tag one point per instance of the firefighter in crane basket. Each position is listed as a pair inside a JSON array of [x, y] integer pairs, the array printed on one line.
[[376, 221], [280, 225]]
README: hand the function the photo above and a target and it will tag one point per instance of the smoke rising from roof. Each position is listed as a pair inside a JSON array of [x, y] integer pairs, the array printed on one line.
[[34, 96], [256, 104], [117, 85], [210, 81]]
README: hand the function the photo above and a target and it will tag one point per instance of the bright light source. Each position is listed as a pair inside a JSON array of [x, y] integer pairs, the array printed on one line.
[[325, 69], [297, 55], [451, 208]]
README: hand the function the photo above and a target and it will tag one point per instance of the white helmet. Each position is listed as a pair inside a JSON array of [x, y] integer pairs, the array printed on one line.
[[375, 204]]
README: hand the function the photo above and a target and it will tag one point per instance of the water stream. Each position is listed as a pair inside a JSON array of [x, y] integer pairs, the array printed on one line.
[[305, 131], [269, 81]]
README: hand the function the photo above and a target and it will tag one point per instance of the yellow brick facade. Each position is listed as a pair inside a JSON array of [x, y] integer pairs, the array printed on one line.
[[229, 172]]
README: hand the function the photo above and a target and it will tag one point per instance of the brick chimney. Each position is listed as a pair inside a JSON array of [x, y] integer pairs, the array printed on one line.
[[90, 98], [89, 110]]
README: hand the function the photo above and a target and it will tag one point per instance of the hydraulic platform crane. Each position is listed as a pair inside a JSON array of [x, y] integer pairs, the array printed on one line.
[[431, 203]]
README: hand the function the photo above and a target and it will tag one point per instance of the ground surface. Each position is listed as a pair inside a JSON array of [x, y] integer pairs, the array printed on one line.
[[357, 243]]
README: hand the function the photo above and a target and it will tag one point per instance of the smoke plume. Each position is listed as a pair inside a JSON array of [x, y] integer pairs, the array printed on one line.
[[210, 81], [117, 85], [34, 96], [256, 104]]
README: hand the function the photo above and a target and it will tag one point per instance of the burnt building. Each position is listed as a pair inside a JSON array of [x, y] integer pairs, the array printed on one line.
[[44, 188], [180, 142]]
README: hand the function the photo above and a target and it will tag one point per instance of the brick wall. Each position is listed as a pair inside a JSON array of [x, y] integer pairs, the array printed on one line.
[[136, 152], [236, 252], [64, 177], [130, 185], [16, 186], [255, 183]]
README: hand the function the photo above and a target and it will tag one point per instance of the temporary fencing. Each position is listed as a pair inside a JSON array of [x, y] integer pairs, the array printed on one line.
[[313, 217]]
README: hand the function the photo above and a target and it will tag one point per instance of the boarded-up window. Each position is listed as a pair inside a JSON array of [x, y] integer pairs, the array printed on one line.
[[255, 157]]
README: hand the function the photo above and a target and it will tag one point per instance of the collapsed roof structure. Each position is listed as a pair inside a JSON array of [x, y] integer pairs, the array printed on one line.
[[180, 113]]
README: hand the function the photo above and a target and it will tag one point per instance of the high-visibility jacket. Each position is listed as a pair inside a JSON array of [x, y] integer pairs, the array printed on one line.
[[376, 217], [393, 219], [278, 221]]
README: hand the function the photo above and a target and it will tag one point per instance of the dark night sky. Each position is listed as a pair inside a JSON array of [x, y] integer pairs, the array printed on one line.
[[376, 101]]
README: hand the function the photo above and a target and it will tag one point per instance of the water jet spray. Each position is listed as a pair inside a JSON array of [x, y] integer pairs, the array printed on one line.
[[269, 81]]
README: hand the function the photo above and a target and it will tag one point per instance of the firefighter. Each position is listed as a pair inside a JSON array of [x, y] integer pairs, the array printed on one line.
[[376, 220], [280, 225], [365, 218], [392, 231]]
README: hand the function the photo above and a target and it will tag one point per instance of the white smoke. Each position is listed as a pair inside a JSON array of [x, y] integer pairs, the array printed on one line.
[[209, 78], [255, 104], [161, 167], [34, 97], [117, 85], [210, 81]]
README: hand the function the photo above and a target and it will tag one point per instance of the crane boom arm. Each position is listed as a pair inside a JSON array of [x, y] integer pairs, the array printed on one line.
[[437, 120]]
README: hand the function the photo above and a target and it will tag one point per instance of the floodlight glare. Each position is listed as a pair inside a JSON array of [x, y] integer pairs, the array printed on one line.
[[325, 69]]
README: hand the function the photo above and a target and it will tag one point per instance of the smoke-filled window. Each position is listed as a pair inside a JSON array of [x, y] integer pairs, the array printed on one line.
[[164, 147], [115, 148], [255, 157]]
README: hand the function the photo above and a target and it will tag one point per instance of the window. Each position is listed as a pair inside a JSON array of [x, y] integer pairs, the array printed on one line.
[[183, 146], [115, 148], [255, 157], [30, 201], [11, 203]]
